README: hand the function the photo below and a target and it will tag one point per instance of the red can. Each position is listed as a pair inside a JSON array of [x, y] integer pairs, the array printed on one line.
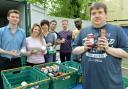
[[91, 38]]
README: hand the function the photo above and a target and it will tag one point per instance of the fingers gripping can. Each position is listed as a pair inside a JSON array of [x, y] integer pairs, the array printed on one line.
[[91, 38], [103, 34]]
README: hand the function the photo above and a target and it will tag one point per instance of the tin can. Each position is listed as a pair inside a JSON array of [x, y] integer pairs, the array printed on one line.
[[91, 38], [45, 70], [103, 34], [24, 83]]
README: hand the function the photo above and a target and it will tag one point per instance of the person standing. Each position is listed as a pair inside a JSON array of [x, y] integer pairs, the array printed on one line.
[[35, 47], [65, 42], [12, 38], [78, 25], [53, 25], [102, 46], [50, 40]]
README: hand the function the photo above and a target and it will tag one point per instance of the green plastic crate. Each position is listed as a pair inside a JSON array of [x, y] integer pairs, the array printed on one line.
[[125, 82], [76, 66], [13, 78], [67, 81]]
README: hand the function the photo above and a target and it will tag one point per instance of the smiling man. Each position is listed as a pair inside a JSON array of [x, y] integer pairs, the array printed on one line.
[[12, 38], [102, 46]]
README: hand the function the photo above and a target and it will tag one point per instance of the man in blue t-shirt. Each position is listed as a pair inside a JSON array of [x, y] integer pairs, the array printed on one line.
[[102, 46]]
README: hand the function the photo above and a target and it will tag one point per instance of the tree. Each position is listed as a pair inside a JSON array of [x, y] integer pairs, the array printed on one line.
[[66, 8]]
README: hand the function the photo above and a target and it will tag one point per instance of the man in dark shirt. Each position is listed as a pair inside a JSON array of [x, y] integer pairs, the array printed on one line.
[[102, 46], [65, 47]]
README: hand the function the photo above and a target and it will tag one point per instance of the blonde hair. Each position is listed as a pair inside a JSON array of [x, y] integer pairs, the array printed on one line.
[[40, 31]]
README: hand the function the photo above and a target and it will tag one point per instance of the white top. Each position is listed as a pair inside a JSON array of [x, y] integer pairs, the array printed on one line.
[[34, 47]]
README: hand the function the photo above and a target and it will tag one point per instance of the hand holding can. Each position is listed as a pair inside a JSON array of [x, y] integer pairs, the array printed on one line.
[[89, 41]]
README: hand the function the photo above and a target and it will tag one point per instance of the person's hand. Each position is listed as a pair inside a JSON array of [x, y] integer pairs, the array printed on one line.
[[89, 43], [13, 52], [42, 51], [62, 40], [34, 51]]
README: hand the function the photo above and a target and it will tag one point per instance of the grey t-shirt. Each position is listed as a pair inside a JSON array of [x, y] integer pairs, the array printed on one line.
[[50, 38], [102, 70]]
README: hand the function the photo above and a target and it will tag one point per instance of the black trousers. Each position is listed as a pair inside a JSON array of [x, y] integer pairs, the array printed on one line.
[[31, 64], [6, 63], [65, 56]]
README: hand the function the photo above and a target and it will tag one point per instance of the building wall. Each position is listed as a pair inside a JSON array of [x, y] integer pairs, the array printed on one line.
[[117, 11], [38, 14]]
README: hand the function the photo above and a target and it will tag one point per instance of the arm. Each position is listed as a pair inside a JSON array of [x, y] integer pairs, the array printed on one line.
[[117, 52], [79, 50], [44, 45], [121, 51], [24, 49], [2, 51], [7, 52], [82, 49], [77, 44]]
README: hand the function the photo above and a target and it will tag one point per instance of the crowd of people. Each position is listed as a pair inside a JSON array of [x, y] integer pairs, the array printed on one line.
[[39, 46], [101, 67]]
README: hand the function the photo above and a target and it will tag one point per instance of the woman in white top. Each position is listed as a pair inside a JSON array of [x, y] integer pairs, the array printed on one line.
[[35, 47]]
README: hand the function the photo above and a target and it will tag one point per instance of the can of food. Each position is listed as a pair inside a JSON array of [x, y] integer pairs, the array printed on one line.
[[56, 68], [51, 74], [91, 38], [45, 70], [24, 83]]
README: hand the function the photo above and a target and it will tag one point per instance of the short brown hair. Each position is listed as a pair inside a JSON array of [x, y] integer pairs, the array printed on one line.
[[53, 21], [97, 6], [13, 11], [64, 20]]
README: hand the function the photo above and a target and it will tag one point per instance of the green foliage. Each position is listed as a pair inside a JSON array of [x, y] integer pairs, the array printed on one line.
[[66, 8]]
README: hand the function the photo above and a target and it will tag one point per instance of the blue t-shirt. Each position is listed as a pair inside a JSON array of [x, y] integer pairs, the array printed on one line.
[[102, 70]]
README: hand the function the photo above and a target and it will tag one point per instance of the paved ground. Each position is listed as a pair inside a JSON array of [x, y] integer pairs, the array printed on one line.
[[125, 67], [125, 63]]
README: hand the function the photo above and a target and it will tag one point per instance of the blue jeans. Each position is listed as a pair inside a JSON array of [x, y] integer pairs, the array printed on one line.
[[48, 58]]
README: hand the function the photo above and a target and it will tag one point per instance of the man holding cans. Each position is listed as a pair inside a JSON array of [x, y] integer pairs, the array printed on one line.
[[102, 46]]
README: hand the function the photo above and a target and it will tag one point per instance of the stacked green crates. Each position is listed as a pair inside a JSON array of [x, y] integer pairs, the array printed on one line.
[[13, 78], [76, 66], [66, 81]]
